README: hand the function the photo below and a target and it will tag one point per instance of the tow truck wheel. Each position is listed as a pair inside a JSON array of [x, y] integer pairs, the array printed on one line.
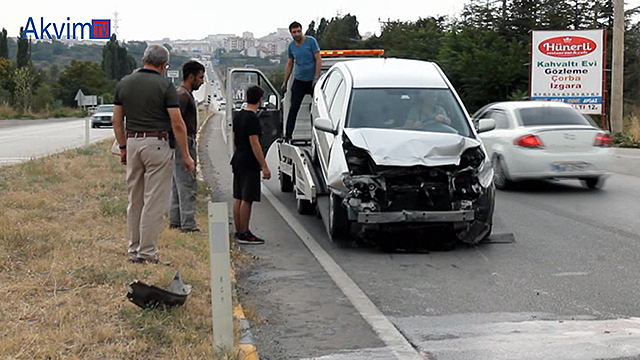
[[286, 185], [338, 223], [305, 207]]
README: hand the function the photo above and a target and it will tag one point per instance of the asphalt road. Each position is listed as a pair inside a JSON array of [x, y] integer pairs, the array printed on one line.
[[566, 288], [21, 140]]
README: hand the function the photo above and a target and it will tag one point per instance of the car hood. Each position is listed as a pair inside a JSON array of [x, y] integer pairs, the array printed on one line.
[[409, 148]]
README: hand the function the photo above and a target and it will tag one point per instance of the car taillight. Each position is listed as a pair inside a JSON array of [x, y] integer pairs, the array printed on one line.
[[602, 140], [529, 141]]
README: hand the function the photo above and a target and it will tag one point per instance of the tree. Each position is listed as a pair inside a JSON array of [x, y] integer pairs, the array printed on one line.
[[24, 81], [322, 27], [482, 66], [23, 58], [413, 40], [116, 62], [341, 33], [84, 75], [4, 45], [7, 68], [311, 31], [42, 97]]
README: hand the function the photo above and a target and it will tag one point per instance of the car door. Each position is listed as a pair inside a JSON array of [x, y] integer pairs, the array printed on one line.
[[495, 140], [270, 113], [323, 101]]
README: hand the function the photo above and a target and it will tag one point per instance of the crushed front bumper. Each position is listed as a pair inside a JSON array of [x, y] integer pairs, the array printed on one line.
[[416, 217]]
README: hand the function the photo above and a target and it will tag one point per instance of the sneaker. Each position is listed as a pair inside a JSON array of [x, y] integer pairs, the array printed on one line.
[[194, 230], [172, 226], [247, 238]]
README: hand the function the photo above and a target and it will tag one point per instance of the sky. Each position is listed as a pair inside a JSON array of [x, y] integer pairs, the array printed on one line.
[[190, 19]]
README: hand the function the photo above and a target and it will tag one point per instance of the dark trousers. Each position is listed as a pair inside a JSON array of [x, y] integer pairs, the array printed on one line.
[[298, 90]]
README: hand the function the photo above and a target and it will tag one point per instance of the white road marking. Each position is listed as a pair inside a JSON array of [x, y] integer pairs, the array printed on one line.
[[572, 273], [522, 336], [385, 329]]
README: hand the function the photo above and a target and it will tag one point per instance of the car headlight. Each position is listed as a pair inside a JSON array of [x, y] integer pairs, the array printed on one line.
[[95, 118]]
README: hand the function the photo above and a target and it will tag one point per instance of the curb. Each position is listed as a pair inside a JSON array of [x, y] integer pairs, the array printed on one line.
[[245, 347]]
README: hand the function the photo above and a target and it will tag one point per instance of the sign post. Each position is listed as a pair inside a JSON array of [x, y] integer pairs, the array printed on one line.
[[173, 74], [567, 66]]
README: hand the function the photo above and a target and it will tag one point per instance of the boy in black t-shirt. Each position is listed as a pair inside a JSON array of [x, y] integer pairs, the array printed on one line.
[[247, 162]]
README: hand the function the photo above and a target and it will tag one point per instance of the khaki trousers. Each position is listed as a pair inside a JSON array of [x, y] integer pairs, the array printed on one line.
[[149, 169]]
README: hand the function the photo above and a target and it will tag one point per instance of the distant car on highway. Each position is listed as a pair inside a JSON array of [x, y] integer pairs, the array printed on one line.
[[544, 140], [102, 116]]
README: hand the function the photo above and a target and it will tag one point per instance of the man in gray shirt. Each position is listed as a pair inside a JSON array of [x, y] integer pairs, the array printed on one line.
[[150, 104], [185, 185]]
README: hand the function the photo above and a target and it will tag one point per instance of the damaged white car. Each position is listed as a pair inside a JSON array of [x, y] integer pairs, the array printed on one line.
[[397, 150]]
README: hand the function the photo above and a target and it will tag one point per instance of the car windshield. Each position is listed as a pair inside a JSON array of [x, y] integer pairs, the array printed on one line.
[[105, 108], [432, 110], [546, 115]]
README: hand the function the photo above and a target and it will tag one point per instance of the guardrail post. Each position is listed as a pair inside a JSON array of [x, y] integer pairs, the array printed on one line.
[[221, 307], [87, 131]]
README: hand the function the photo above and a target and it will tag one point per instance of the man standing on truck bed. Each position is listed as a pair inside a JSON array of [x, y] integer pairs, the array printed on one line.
[[305, 52]]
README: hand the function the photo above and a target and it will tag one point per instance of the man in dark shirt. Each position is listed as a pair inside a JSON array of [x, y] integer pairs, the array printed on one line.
[[150, 104], [247, 162], [185, 186]]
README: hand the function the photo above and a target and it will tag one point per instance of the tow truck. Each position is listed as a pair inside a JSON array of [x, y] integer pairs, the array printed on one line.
[[298, 172]]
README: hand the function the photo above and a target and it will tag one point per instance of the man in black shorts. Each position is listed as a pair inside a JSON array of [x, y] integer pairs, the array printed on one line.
[[247, 162]]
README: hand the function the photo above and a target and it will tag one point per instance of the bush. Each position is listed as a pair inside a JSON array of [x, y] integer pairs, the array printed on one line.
[[6, 112], [625, 140]]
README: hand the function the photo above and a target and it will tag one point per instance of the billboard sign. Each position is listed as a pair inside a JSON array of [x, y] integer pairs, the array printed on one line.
[[567, 66]]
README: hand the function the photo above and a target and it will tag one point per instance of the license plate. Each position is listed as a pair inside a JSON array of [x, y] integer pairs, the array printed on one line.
[[570, 166]]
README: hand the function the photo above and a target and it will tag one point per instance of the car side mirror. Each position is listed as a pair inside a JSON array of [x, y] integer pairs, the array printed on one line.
[[486, 125], [324, 125]]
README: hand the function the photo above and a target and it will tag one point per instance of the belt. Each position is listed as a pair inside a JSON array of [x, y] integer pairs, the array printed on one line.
[[161, 135]]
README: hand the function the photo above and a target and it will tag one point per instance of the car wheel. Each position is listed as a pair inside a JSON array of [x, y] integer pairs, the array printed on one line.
[[286, 185], [305, 207], [339, 225], [593, 183], [94, 126], [500, 179]]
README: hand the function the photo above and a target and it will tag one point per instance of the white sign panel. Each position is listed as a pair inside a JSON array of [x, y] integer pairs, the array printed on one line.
[[567, 66], [173, 73]]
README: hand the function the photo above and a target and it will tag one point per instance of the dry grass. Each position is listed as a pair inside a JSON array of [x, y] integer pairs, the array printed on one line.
[[64, 274], [631, 126]]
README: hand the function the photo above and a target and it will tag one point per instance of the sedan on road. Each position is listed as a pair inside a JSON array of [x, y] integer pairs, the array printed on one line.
[[102, 116], [544, 140]]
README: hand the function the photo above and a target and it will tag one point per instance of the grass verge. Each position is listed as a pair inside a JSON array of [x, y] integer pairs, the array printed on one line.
[[7, 112], [64, 270]]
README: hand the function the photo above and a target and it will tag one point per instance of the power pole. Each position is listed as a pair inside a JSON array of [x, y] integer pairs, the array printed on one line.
[[115, 24], [617, 67]]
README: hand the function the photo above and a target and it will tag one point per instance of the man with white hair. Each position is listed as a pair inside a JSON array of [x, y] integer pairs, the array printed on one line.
[[154, 123]]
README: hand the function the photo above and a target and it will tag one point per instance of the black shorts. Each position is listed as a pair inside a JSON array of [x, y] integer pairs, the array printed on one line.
[[246, 185]]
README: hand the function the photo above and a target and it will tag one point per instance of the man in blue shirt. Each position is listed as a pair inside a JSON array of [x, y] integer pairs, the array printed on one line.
[[305, 52]]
